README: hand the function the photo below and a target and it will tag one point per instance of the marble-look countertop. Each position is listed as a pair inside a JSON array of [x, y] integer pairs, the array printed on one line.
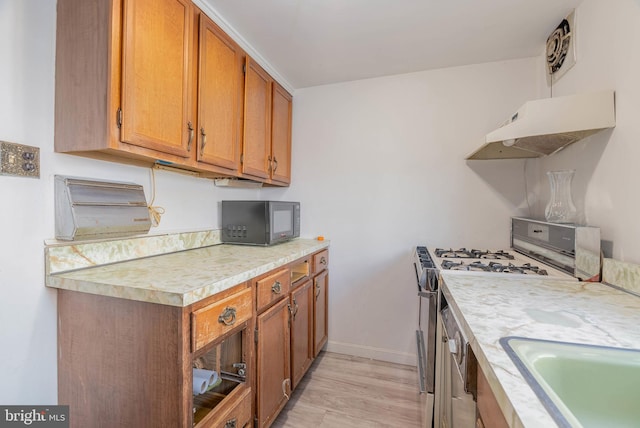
[[177, 278], [495, 306]]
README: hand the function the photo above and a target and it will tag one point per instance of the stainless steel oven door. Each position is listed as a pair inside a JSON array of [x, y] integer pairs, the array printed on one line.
[[426, 337], [426, 343]]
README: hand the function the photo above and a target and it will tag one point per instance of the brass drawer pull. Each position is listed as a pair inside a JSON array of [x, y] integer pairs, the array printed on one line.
[[323, 260], [231, 423], [277, 287], [228, 316]]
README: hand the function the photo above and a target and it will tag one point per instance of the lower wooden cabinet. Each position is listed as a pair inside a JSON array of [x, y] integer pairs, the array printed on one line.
[[488, 412], [273, 364], [127, 363], [320, 319], [301, 331]]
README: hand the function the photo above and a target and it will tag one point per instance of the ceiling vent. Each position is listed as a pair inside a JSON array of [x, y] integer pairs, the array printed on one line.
[[561, 48]]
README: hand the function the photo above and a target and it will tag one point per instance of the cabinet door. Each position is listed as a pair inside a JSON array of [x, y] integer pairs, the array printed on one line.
[[301, 331], [281, 135], [320, 307], [256, 151], [220, 97], [156, 79], [273, 364]]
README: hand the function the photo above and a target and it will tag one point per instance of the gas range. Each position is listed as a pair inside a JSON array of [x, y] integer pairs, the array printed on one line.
[[428, 261], [538, 250], [491, 261]]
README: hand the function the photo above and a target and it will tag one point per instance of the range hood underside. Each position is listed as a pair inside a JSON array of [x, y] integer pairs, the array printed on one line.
[[530, 147]]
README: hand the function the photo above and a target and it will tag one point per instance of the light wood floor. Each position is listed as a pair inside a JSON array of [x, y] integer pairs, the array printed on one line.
[[344, 391]]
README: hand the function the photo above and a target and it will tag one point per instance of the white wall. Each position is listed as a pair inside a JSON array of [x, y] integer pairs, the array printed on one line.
[[607, 175], [379, 167], [27, 308]]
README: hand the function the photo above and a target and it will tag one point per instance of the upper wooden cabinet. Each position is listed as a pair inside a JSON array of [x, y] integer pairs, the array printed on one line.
[[123, 79], [148, 81], [219, 97], [280, 134], [156, 82], [267, 127], [256, 151]]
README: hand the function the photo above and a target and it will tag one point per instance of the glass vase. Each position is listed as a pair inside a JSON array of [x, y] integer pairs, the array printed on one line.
[[560, 208]]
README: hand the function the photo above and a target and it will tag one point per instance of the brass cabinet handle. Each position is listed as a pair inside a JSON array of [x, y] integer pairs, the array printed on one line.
[[277, 287], [190, 127], [293, 309], [284, 388], [317, 289], [204, 139], [228, 316], [323, 260], [275, 161], [231, 423], [270, 164]]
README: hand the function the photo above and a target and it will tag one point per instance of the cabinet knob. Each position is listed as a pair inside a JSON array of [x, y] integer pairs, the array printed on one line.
[[228, 316], [277, 287]]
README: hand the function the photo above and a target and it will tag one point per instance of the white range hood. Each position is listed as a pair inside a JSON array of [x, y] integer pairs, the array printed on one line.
[[542, 127]]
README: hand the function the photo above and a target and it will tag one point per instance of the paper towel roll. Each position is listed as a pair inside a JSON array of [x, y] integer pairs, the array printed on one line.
[[210, 375], [200, 384]]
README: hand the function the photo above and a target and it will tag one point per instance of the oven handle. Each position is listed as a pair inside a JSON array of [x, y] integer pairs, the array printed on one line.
[[428, 294]]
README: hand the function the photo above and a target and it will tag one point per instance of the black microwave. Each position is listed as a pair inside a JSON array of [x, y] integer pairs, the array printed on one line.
[[259, 222]]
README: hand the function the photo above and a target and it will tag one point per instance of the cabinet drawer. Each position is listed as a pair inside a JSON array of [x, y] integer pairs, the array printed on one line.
[[273, 287], [320, 261], [214, 320], [238, 416]]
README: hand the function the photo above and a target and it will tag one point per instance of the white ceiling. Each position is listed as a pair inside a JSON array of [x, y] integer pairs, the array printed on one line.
[[315, 42]]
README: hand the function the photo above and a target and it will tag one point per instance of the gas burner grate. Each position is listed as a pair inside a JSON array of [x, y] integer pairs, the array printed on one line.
[[464, 253], [479, 266], [476, 266], [494, 255], [461, 253], [524, 269]]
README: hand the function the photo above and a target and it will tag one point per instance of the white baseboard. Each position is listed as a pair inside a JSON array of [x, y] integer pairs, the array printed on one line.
[[372, 353]]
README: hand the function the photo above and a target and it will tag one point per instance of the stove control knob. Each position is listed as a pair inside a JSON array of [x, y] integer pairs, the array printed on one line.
[[453, 346], [423, 279]]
